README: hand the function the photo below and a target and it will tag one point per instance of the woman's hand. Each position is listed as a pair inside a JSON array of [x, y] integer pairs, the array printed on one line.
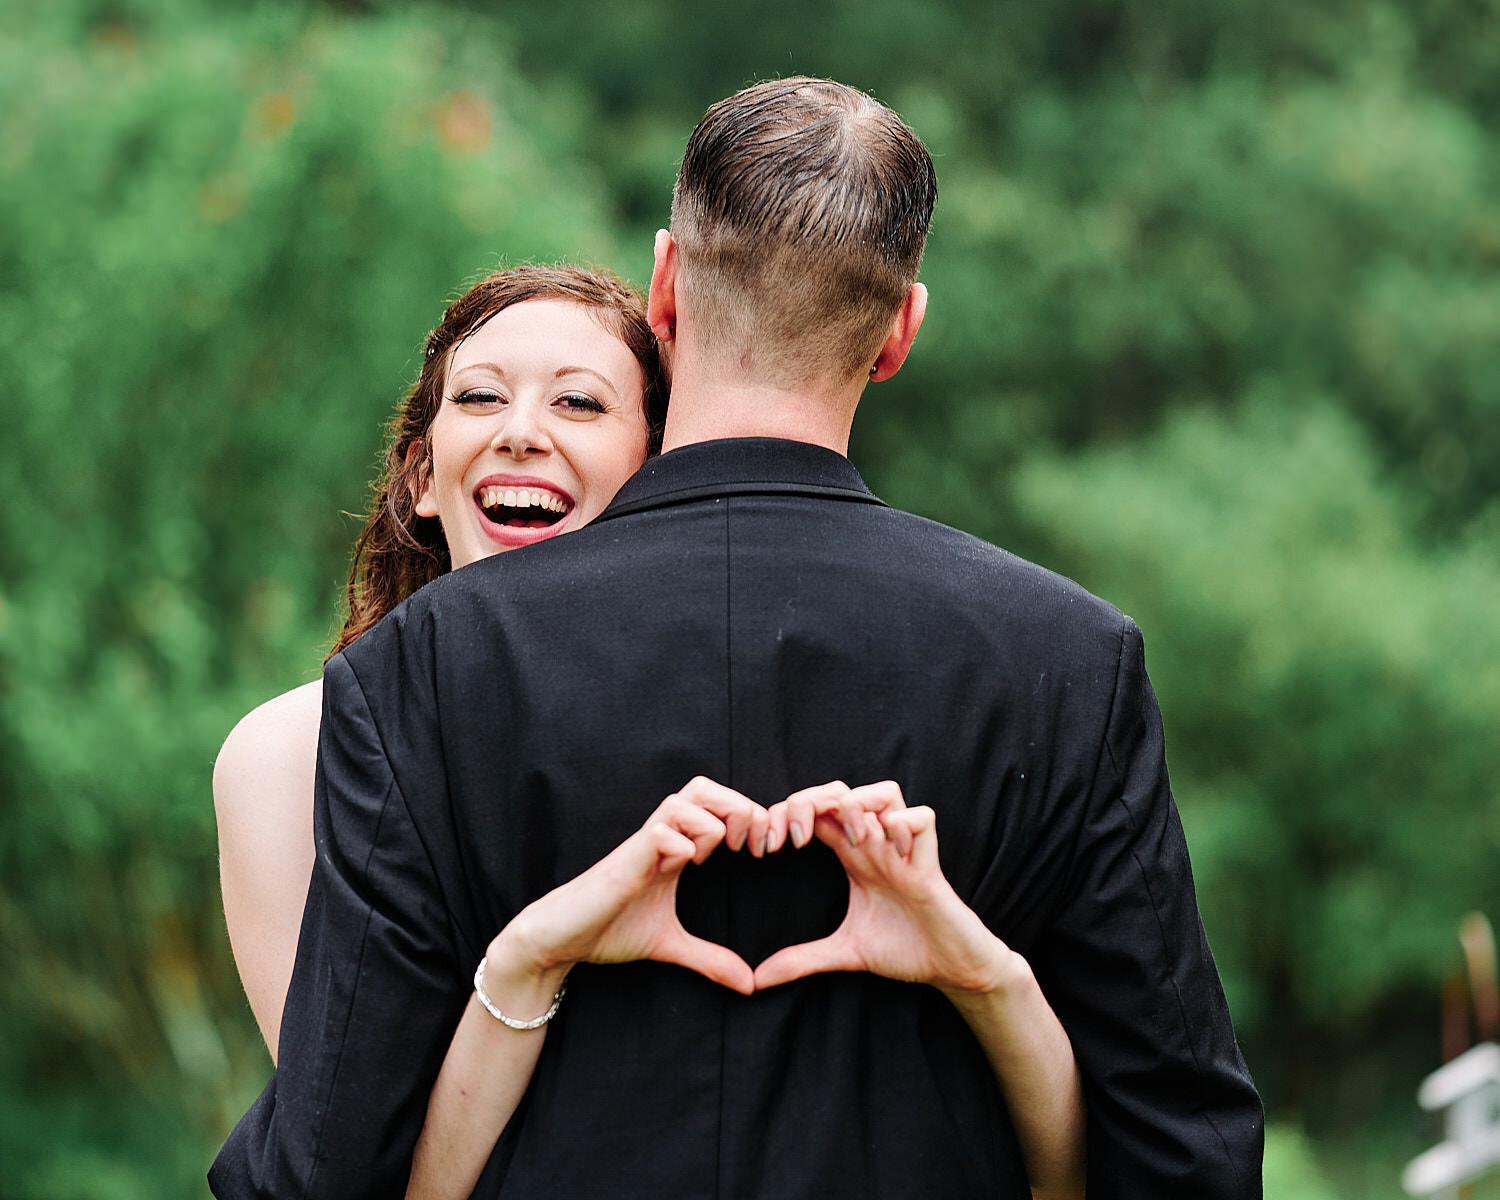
[[624, 908], [621, 909], [905, 921]]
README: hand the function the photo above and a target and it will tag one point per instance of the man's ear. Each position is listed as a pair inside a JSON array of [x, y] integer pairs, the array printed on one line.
[[904, 326], [661, 299]]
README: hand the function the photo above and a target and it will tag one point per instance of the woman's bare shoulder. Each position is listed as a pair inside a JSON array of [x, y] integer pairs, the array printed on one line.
[[274, 743], [263, 805]]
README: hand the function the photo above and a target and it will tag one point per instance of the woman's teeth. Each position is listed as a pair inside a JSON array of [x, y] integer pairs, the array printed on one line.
[[498, 497], [528, 507]]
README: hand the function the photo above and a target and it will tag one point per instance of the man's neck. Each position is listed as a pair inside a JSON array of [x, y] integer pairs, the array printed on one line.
[[704, 409]]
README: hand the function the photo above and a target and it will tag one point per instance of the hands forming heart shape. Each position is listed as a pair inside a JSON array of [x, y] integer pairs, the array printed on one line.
[[904, 920]]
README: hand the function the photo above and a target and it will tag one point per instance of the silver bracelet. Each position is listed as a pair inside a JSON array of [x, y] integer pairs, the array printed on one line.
[[489, 1004]]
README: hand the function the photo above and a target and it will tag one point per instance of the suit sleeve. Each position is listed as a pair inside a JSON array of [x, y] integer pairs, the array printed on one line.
[[1172, 1111], [375, 993]]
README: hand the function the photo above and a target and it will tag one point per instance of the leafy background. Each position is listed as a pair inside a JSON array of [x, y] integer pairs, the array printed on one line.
[[1215, 329]]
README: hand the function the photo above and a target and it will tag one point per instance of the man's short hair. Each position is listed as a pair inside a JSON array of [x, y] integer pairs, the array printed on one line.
[[800, 215]]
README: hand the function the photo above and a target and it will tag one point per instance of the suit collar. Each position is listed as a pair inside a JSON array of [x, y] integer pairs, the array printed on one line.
[[737, 466]]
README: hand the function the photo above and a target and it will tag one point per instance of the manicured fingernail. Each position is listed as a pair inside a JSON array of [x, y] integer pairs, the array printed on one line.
[[849, 832], [799, 839]]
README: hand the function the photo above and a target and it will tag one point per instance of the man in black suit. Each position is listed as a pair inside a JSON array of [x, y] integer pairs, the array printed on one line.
[[747, 610]]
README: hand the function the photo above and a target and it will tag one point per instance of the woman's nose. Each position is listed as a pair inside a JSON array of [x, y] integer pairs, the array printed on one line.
[[520, 432]]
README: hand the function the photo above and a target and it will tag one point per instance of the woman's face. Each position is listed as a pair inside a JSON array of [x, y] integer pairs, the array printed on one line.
[[542, 420]]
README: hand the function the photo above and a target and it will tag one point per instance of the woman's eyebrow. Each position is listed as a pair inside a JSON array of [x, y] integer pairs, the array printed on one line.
[[493, 368], [563, 372]]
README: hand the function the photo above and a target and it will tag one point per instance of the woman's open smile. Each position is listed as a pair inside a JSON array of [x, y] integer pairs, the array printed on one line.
[[516, 509]]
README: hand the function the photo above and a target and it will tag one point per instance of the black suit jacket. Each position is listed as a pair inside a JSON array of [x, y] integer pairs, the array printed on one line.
[[747, 610]]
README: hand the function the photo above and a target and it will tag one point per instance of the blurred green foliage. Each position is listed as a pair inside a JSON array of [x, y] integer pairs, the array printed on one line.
[[221, 245], [1291, 1168], [1215, 329], [1331, 679]]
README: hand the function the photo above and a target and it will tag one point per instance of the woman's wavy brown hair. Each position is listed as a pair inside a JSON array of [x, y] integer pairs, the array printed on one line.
[[398, 551]]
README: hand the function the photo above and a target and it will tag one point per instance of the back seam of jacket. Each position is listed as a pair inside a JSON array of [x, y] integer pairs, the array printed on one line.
[[731, 781]]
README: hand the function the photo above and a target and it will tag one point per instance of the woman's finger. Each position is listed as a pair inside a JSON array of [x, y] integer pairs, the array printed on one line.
[[673, 848], [802, 809], [829, 829], [818, 793], [758, 839], [709, 959], [905, 827], [735, 809], [900, 832], [849, 803], [885, 796], [777, 828], [810, 958], [852, 814], [706, 829]]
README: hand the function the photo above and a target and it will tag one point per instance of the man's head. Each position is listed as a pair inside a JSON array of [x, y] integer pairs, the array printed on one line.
[[799, 218]]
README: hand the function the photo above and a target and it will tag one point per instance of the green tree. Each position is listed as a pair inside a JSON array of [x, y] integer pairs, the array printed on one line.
[[1330, 682], [221, 244]]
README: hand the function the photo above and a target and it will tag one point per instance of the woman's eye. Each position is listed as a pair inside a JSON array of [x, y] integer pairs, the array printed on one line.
[[579, 403], [477, 396]]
